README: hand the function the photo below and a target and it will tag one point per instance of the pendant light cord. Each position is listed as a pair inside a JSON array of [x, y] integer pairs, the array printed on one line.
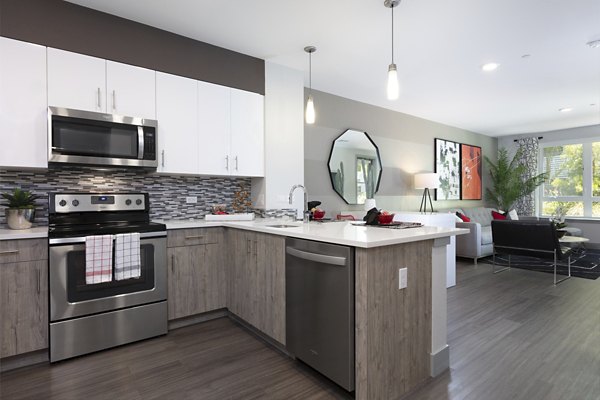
[[310, 71], [392, 8]]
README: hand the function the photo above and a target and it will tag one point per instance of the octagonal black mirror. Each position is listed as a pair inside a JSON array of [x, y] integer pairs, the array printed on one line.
[[355, 166]]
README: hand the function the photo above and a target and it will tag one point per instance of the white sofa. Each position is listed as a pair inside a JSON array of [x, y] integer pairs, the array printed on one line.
[[478, 242]]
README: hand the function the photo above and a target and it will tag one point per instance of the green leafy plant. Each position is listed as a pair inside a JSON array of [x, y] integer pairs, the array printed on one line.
[[510, 180], [20, 198]]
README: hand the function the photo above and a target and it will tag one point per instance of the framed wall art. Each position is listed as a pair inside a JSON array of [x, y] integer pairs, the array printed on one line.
[[471, 160], [448, 167]]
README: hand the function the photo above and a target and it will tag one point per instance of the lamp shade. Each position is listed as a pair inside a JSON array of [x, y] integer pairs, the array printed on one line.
[[427, 180]]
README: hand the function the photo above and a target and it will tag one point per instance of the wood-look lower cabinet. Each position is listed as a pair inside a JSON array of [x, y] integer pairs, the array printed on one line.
[[23, 296], [257, 280], [197, 278]]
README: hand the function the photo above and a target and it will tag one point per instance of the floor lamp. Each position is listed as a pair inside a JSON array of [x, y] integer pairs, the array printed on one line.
[[426, 181]]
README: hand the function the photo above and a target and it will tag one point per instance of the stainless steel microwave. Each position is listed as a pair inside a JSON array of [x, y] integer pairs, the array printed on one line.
[[84, 137]]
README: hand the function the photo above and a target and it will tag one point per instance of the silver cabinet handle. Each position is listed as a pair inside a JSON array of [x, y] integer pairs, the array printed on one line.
[[114, 100], [227, 163], [7, 252], [194, 237], [256, 247], [173, 263], [236, 163], [163, 158], [39, 280], [98, 97]]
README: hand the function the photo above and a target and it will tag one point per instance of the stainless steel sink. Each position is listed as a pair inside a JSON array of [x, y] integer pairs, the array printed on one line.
[[283, 226]]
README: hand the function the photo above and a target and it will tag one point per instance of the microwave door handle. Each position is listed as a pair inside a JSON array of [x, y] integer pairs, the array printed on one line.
[[140, 142]]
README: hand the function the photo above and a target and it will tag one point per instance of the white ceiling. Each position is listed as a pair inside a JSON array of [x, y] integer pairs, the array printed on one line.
[[439, 48]]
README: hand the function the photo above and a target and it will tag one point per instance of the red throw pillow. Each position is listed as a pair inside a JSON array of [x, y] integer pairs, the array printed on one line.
[[463, 217], [497, 215]]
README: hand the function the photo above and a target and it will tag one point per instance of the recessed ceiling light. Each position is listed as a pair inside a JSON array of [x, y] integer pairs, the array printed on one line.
[[489, 67], [594, 44], [526, 56], [565, 109]]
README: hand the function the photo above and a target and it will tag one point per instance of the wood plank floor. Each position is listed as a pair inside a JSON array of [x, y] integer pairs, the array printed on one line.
[[512, 336]]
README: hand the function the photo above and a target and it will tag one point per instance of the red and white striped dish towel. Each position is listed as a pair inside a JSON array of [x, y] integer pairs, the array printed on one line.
[[98, 259], [127, 256]]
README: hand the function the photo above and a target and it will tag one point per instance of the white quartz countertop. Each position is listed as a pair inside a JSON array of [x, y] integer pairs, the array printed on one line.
[[342, 232], [32, 233]]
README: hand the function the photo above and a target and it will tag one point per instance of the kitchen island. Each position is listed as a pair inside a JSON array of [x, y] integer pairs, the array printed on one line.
[[400, 334]]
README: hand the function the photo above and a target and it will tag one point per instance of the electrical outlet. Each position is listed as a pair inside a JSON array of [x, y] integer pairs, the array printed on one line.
[[191, 199], [402, 278]]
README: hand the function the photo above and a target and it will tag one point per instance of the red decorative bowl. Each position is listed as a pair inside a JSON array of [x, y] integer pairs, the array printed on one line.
[[386, 219], [319, 214]]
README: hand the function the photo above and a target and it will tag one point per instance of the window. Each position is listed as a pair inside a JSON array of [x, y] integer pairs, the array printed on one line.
[[573, 186]]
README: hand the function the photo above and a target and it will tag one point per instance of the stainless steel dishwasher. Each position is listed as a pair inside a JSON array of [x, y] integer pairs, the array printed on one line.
[[320, 307]]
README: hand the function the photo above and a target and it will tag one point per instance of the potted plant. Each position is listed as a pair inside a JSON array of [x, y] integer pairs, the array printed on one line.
[[21, 208], [510, 180]]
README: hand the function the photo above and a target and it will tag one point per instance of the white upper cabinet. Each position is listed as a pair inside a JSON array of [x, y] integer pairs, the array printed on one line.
[[177, 110], [94, 84], [23, 108], [130, 90], [76, 81], [247, 133], [214, 133]]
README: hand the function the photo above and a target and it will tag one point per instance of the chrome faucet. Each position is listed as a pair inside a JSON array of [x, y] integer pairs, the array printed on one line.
[[306, 213]]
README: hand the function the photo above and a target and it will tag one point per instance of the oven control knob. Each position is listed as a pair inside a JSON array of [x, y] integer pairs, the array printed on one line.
[[75, 203], [62, 203], [138, 202], [128, 202]]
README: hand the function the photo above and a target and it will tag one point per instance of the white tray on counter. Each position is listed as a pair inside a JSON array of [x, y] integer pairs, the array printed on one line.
[[230, 217]]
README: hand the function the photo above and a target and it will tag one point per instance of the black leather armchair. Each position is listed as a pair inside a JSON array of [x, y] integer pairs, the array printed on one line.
[[529, 238]]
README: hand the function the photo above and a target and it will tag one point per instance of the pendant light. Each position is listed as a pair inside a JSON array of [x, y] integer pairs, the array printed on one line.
[[393, 88], [310, 104]]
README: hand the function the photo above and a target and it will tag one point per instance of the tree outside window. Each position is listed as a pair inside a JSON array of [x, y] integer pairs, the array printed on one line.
[[568, 189]]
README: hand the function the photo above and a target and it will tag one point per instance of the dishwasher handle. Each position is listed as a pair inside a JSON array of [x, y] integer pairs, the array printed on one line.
[[320, 258]]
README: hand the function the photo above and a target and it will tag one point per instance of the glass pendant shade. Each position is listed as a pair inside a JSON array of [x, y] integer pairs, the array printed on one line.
[[310, 110], [393, 88]]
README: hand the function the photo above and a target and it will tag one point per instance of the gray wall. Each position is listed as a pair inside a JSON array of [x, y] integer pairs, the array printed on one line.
[[71, 27], [406, 144]]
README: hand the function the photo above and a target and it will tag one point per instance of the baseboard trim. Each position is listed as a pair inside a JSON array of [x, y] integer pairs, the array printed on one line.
[[260, 335], [440, 361], [24, 360], [198, 318]]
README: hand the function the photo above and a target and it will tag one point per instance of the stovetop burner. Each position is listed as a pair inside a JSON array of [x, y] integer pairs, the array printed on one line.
[[82, 214]]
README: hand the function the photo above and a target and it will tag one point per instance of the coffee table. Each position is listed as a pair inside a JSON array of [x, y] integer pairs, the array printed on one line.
[[576, 242]]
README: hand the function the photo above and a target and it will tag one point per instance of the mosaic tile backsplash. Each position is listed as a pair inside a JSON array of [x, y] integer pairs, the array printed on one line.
[[167, 192]]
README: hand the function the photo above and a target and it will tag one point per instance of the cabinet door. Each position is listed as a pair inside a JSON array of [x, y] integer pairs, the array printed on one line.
[[271, 285], [23, 107], [76, 81], [176, 112], [242, 264], [186, 280], [216, 277], [214, 129], [24, 307], [247, 133], [130, 90]]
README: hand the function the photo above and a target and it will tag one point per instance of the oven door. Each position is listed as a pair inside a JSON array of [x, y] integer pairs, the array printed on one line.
[[70, 296]]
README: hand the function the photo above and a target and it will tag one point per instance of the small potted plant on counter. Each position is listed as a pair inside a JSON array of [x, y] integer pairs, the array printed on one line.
[[20, 210]]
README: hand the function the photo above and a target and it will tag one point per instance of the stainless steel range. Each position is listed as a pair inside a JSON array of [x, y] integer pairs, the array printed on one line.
[[96, 304]]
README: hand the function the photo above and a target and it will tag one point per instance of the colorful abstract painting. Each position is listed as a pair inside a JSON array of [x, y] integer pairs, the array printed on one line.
[[447, 166], [470, 157]]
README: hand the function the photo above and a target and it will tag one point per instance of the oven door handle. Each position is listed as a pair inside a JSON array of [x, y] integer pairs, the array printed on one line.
[[81, 239]]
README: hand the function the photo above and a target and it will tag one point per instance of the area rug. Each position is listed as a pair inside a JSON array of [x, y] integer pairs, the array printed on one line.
[[584, 264]]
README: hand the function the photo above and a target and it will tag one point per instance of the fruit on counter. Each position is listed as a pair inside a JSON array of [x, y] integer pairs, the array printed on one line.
[[220, 213]]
